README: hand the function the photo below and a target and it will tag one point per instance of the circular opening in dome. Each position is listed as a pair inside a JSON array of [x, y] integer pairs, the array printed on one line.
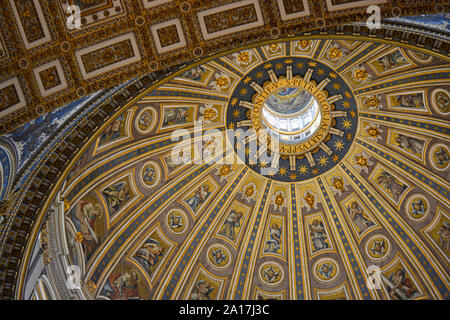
[[291, 113]]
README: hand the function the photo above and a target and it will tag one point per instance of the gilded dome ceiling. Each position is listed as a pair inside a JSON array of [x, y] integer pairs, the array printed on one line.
[[157, 149], [166, 202]]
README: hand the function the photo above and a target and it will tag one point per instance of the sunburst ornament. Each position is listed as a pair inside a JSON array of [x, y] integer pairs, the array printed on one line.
[[303, 169], [247, 79], [336, 86], [346, 123], [346, 104], [339, 145], [323, 160], [283, 78], [347, 94], [263, 164]]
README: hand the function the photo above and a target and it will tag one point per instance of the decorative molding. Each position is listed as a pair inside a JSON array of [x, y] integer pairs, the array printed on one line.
[[215, 22], [12, 97], [117, 52], [331, 6], [50, 78], [288, 13], [154, 3], [31, 21], [168, 36]]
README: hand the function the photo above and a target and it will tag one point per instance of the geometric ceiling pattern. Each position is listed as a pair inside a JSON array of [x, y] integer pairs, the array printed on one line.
[[51, 54], [370, 198]]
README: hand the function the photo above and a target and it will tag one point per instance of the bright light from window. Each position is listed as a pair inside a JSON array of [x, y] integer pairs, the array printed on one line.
[[291, 113]]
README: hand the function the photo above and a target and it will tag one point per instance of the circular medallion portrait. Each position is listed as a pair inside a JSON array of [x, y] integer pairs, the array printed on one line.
[[378, 247], [219, 256], [440, 100], [146, 120], [177, 221], [417, 207], [271, 273], [439, 156], [150, 174], [326, 270]]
